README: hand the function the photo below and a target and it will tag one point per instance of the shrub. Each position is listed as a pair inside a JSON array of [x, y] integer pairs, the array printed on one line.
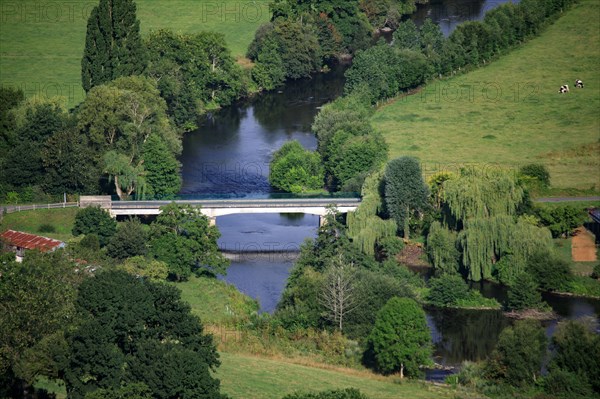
[[565, 384], [538, 172], [389, 247], [447, 290], [561, 220], [524, 294], [596, 272], [129, 240], [550, 272]]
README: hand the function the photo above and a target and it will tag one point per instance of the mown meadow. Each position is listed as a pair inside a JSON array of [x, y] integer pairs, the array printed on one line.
[[41, 43], [509, 112]]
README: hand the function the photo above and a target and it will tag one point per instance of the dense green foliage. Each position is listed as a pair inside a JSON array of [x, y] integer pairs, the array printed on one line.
[[36, 308], [400, 338], [140, 266], [518, 356], [195, 73], [561, 220], [523, 294], [113, 45], [118, 118], [577, 351], [162, 169], [447, 290], [95, 220], [131, 330], [405, 191], [442, 250], [550, 272], [129, 240], [384, 71], [182, 237], [350, 393], [348, 145], [481, 206], [388, 13], [295, 169], [538, 172]]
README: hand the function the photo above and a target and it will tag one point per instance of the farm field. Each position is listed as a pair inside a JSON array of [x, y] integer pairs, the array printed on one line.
[[41, 42], [509, 112]]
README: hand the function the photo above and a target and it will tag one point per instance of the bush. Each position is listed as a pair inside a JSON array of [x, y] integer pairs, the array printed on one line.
[[389, 247], [538, 172], [447, 290], [129, 240], [565, 384], [561, 220], [524, 294], [550, 272]]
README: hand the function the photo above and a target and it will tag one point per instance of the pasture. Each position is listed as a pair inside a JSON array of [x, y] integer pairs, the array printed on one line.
[[42, 41], [509, 112]]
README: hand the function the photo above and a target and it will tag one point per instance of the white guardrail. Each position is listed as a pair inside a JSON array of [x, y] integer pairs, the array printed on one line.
[[20, 208]]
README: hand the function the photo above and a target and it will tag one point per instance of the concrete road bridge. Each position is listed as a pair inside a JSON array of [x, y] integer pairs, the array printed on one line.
[[214, 208]]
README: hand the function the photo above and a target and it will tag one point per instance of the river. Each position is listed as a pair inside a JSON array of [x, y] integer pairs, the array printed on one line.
[[229, 155]]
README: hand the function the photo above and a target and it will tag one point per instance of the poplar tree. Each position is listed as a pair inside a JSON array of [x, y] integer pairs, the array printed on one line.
[[405, 190], [113, 45]]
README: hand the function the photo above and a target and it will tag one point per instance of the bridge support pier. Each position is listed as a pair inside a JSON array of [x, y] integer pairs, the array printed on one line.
[[322, 220], [212, 220]]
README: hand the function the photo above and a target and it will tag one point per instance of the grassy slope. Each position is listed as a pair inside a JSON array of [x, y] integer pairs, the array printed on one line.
[[215, 301], [41, 43], [258, 378], [30, 221], [514, 114]]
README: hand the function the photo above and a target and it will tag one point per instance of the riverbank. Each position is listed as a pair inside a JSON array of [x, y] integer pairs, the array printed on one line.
[[509, 112]]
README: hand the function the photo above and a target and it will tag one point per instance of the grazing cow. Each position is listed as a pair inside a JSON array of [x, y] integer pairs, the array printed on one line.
[[564, 89], [579, 83]]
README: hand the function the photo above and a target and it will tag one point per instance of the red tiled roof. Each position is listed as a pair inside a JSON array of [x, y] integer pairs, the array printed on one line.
[[30, 241]]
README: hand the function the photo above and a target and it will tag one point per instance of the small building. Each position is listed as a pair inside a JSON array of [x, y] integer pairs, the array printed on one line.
[[18, 242]]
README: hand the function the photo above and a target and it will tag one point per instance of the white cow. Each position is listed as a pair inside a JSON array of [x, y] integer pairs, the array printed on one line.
[[579, 83], [564, 89]]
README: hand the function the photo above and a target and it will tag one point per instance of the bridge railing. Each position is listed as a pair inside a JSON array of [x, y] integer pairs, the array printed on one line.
[[246, 196]]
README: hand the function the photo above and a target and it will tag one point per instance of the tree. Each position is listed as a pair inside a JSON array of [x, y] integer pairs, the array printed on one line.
[[134, 331], [113, 45], [269, 70], [70, 165], [128, 391], [407, 36], [524, 294], [182, 238], [295, 169], [162, 169], [517, 359], [447, 290], [549, 271], [441, 248], [577, 351], [195, 73], [400, 338], [338, 295], [129, 240], [95, 220], [118, 118], [405, 191], [561, 220], [36, 305]]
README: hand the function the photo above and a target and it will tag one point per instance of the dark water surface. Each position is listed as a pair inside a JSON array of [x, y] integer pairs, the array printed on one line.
[[230, 154]]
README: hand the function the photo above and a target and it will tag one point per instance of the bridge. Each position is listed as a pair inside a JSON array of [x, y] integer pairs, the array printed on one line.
[[214, 208]]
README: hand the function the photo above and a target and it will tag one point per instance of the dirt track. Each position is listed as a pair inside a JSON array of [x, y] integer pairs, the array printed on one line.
[[583, 247]]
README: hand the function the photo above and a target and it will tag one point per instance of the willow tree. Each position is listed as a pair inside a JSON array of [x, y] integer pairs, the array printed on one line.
[[405, 191], [481, 206], [365, 227]]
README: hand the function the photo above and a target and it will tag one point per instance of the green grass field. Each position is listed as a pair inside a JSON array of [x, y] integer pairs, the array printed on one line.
[[215, 301], [41, 42], [250, 377], [509, 112], [30, 222]]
